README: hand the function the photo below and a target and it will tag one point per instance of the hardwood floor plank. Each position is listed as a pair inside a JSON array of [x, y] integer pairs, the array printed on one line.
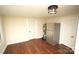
[[37, 46]]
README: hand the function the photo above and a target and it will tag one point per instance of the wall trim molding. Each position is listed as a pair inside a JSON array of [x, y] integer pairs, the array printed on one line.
[[3, 49]]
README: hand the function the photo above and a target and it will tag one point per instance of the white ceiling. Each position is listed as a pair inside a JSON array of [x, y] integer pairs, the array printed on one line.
[[37, 10]]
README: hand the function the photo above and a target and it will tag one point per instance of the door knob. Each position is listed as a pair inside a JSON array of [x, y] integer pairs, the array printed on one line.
[[72, 36]]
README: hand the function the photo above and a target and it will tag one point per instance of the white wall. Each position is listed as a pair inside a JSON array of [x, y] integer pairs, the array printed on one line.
[[19, 29], [67, 30], [2, 39], [77, 40]]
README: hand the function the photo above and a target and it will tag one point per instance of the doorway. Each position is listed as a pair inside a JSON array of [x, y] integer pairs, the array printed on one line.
[[53, 33]]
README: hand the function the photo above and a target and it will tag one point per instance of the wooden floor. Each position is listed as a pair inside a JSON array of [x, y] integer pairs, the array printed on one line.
[[37, 47]]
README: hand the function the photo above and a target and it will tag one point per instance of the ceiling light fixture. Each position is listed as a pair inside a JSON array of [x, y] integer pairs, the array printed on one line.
[[52, 9]]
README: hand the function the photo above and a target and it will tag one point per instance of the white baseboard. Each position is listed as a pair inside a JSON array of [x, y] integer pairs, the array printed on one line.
[[22, 41], [3, 49]]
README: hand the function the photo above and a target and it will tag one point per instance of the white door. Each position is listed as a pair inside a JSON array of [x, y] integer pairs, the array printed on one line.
[[68, 32], [50, 32], [56, 33], [31, 28]]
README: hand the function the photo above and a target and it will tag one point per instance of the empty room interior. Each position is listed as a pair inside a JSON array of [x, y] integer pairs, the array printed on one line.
[[38, 29]]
